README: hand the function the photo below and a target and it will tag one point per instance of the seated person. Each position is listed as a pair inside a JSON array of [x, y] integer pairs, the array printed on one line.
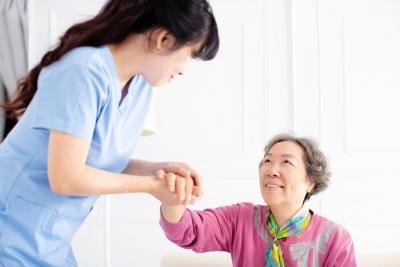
[[285, 232]]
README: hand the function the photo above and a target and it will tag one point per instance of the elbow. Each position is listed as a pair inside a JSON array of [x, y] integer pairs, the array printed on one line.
[[60, 184], [57, 185]]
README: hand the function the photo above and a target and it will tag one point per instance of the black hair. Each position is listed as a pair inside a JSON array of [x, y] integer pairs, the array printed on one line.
[[189, 21]]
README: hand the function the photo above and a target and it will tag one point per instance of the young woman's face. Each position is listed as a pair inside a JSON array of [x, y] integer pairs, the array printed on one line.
[[163, 67], [283, 176]]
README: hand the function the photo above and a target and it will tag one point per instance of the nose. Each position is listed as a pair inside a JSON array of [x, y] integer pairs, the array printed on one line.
[[273, 171]]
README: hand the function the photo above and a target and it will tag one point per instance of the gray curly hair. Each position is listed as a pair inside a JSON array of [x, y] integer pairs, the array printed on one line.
[[317, 168]]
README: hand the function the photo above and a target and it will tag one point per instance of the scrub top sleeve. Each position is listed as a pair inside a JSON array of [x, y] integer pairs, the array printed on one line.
[[70, 101]]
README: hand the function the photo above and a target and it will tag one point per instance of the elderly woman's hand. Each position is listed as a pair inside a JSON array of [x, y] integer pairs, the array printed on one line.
[[182, 169], [184, 187]]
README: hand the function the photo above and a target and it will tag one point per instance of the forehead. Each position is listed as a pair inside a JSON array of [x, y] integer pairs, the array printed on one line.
[[287, 147], [196, 47]]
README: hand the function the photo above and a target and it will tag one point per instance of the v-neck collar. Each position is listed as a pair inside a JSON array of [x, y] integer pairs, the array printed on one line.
[[122, 105]]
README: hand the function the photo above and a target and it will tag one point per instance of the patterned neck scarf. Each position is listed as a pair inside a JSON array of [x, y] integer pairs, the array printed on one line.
[[273, 258]]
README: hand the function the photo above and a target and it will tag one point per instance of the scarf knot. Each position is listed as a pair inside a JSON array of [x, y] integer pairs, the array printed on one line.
[[299, 221]]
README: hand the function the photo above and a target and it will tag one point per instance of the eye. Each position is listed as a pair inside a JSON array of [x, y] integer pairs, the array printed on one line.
[[286, 161], [267, 161]]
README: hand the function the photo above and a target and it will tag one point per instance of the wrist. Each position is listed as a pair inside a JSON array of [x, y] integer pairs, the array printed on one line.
[[172, 214], [150, 185], [155, 166]]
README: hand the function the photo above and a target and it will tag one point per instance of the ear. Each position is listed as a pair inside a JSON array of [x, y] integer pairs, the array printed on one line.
[[310, 187], [164, 40]]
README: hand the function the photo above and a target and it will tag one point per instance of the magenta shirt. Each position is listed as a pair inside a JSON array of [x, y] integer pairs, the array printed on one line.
[[241, 230]]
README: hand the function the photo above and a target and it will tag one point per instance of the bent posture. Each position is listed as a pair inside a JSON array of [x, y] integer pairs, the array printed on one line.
[[84, 106]]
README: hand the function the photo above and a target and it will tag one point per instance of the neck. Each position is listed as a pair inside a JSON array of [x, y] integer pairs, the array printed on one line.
[[128, 57], [282, 214]]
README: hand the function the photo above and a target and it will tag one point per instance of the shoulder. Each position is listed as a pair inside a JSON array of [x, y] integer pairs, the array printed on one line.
[[86, 62], [330, 230], [336, 243]]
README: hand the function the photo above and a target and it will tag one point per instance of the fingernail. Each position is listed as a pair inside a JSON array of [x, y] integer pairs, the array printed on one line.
[[181, 197], [171, 188]]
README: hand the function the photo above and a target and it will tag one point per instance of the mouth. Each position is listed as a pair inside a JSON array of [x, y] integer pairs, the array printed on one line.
[[274, 186]]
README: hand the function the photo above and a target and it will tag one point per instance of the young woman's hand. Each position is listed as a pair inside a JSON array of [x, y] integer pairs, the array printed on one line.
[[181, 169]]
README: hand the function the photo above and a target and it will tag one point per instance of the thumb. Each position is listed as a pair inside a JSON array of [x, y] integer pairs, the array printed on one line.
[[160, 174]]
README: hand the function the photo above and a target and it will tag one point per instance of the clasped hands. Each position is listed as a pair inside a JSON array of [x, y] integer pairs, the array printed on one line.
[[177, 184]]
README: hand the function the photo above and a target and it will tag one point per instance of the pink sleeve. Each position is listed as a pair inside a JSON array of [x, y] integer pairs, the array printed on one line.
[[346, 256], [202, 231]]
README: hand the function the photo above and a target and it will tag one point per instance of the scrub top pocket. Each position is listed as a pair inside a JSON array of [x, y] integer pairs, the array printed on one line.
[[25, 234]]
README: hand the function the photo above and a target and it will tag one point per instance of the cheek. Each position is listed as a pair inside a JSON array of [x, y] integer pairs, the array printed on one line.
[[262, 173], [296, 182], [181, 60]]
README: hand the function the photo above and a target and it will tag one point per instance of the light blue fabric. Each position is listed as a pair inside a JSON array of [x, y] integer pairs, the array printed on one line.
[[79, 95]]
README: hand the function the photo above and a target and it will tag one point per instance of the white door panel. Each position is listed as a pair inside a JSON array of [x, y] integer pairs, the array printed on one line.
[[356, 48]]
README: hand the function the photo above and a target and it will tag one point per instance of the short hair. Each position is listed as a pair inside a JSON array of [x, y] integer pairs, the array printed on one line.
[[318, 171]]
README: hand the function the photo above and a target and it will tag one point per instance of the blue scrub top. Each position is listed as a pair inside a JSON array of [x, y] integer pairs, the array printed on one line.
[[80, 95]]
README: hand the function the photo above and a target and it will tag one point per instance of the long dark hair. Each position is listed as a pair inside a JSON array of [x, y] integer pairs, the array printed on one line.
[[189, 21]]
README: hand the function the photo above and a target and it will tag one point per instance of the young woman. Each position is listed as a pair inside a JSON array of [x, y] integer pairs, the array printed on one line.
[[83, 109], [283, 233]]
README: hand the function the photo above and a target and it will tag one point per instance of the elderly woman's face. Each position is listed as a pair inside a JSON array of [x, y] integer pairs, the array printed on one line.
[[283, 176]]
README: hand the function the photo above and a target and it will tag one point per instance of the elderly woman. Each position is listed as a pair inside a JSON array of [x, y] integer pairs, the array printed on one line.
[[285, 232]]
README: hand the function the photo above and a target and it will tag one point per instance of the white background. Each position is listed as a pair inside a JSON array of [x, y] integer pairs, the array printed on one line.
[[329, 69]]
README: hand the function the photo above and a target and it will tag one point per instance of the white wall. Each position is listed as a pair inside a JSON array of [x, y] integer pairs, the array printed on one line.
[[322, 68], [346, 90]]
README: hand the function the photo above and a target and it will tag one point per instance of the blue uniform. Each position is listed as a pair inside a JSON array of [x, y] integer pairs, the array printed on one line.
[[80, 95]]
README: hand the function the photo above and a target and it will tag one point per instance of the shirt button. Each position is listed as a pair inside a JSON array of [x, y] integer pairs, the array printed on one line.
[[284, 239]]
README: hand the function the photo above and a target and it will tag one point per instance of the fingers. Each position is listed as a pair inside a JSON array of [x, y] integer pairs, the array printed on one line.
[[178, 169], [198, 180], [188, 190], [183, 187], [180, 188], [171, 181], [195, 199], [182, 169], [196, 191], [160, 174]]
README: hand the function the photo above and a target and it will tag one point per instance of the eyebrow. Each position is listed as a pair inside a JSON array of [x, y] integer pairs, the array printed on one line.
[[283, 155]]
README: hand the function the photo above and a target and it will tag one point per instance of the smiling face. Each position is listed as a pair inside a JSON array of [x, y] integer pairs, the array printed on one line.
[[283, 176]]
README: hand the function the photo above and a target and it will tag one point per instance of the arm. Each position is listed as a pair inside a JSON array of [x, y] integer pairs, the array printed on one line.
[[141, 167], [201, 231], [69, 174], [174, 213]]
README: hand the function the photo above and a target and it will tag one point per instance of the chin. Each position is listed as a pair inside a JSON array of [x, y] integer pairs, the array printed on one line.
[[155, 84], [161, 83], [271, 201]]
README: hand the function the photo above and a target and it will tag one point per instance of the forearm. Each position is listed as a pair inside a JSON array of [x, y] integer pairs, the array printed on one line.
[[93, 181], [139, 167], [172, 214], [201, 231]]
